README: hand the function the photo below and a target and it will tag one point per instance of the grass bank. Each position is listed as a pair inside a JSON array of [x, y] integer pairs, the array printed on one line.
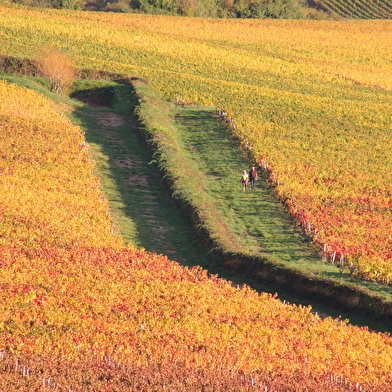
[[249, 237], [141, 208], [248, 232]]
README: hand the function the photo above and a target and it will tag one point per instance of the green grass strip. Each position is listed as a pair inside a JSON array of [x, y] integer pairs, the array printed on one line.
[[259, 221], [204, 170], [204, 167]]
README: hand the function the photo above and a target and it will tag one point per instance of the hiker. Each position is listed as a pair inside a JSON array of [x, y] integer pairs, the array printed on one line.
[[253, 177], [244, 180]]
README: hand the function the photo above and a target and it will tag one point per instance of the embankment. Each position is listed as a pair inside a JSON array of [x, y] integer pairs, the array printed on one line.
[[187, 186]]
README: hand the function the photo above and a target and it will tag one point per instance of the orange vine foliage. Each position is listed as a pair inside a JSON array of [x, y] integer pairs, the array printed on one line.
[[71, 294], [142, 309], [313, 97], [48, 194]]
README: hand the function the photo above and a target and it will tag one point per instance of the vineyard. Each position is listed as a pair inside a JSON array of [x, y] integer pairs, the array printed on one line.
[[357, 9], [35, 181], [313, 108], [80, 311]]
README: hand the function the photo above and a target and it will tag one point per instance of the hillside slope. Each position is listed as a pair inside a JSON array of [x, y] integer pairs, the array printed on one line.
[[87, 301], [311, 98]]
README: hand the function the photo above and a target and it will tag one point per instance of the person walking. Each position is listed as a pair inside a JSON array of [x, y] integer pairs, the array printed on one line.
[[253, 177], [244, 180]]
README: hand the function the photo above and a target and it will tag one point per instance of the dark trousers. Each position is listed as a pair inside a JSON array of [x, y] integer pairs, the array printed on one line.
[[252, 183]]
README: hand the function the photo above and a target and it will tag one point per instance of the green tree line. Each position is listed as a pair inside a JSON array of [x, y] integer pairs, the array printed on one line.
[[259, 9]]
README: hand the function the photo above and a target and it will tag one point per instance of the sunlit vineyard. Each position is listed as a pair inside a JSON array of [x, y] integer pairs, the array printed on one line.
[[43, 200], [312, 98], [83, 312]]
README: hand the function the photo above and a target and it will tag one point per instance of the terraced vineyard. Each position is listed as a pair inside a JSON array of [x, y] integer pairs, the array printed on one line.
[[358, 9]]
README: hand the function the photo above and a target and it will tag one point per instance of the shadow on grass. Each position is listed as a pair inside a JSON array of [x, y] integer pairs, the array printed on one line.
[[140, 204], [147, 216]]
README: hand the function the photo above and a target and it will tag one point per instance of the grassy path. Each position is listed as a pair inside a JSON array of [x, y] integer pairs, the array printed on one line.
[[147, 216], [141, 208], [259, 220], [256, 217]]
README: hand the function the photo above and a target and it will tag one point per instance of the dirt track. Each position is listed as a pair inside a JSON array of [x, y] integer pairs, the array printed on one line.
[[140, 204]]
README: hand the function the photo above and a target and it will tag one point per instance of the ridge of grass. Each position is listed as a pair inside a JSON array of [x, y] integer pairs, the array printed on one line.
[[257, 218], [127, 205], [255, 222], [141, 207], [142, 210], [190, 140]]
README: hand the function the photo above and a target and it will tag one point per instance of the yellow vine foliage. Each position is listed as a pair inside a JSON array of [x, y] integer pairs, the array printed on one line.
[[312, 98], [300, 92], [69, 289], [48, 194]]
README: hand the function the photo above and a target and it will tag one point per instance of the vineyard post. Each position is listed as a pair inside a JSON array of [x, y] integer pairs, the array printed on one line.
[[333, 257], [341, 260], [25, 371], [325, 252]]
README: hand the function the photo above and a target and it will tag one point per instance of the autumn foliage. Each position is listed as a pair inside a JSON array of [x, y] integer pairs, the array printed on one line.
[[56, 65], [80, 310], [314, 108], [48, 192]]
